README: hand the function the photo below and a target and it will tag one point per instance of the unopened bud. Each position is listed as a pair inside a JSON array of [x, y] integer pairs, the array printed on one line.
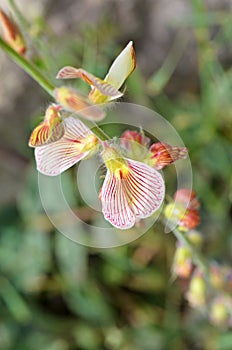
[[220, 310], [182, 264], [135, 143], [162, 154], [196, 294], [11, 34], [195, 238]]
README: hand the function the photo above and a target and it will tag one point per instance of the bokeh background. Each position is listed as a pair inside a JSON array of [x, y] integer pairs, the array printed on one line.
[[57, 295]]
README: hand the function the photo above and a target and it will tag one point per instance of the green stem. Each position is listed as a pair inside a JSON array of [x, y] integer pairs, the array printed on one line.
[[28, 67]]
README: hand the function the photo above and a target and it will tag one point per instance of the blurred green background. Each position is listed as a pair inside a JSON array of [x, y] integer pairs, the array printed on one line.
[[57, 295]]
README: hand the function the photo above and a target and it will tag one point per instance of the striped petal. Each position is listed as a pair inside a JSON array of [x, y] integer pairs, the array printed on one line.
[[43, 134], [50, 130], [74, 102], [136, 196], [97, 83], [57, 157]]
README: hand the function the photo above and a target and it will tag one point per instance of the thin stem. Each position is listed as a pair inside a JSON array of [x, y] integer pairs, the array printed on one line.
[[28, 67]]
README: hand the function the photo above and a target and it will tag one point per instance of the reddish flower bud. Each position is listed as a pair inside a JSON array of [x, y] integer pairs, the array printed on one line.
[[136, 144], [187, 197], [134, 136], [189, 220], [184, 210], [11, 33], [161, 154]]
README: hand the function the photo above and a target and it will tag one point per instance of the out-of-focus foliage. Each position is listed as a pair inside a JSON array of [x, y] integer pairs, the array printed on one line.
[[57, 295]]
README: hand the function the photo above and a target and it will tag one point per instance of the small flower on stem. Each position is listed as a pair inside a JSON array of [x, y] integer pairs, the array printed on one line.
[[162, 154], [220, 311], [77, 143], [105, 90], [131, 190], [50, 130], [195, 238], [182, 263], [184, 211], [135, 143], [196, 294], [11, 33]]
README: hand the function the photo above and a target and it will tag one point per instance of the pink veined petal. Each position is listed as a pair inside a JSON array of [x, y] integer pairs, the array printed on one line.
[[95, 82], [146, 189], [136, 196], [54, 158], [115, 206]]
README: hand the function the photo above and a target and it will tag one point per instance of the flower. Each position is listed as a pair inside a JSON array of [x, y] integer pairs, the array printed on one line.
[[11, 33], [183, 263], [105, 90], [158, 156], [162, 154], [220, 311], [184, 211], [131, 190], [187, 198], [50, 130], [77, 143], [74, 102], [196, 294]]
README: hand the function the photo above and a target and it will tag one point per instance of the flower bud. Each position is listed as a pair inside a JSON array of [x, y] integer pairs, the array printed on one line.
[[11, 34], [217, 277], [196, 294], [187, 198], [135, 143], [185, 219], [182, 264], [184, 211], [161, 154], [195, 238], [220, 310]]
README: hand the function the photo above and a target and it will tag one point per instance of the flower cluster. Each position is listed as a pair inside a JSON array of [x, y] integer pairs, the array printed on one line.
[[133, 189], [210, 293], [209, 287]]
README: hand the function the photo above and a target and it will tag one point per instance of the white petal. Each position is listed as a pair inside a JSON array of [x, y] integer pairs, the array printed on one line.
[[115, 206], [122, 67], [146, 188], [137, 196], [54, 158]]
